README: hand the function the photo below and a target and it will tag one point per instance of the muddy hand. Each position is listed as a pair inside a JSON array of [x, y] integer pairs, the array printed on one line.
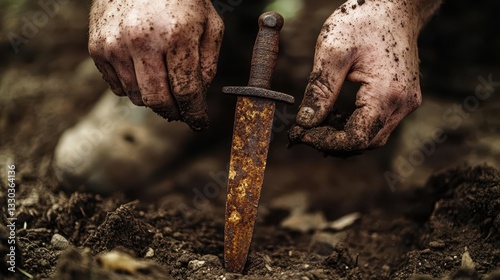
[[162, 54], [373, 43]]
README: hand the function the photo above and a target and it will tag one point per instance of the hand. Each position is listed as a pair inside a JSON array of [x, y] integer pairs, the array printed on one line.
[[373, 43], [162, 54]]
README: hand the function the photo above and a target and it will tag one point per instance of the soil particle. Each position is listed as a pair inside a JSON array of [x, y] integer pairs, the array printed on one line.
[[437, 244], [121, 227]]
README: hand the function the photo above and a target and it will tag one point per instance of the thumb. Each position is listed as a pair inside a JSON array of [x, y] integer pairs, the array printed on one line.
[[329, 72]]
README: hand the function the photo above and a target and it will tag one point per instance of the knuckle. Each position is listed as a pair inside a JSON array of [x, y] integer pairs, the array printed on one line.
[[220, 26], [415, 101], [95, 51], [318, 89], [137, 37], [218, 23], [391, 96], [208, 74]]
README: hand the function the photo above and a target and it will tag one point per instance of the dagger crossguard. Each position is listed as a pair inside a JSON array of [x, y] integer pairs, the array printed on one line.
[[265, 55]]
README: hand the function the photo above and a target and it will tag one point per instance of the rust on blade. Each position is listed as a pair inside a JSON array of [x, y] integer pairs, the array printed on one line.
[[252, 134]]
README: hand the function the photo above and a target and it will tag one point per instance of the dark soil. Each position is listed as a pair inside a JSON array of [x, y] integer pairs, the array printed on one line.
[[425, 231]]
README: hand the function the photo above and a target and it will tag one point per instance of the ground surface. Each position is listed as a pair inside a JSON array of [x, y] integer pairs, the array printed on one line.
[[445, 226]]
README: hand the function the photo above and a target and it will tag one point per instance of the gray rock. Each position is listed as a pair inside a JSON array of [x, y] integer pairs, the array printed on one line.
[[59, 242]]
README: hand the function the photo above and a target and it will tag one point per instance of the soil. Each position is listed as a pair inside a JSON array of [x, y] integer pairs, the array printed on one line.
[[422, 233], [448, 228]]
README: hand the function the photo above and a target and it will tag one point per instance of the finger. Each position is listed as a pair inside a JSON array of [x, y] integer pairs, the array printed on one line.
[[381, 138], [357, 135], [152, 80], [410, 105], [365, 123], [126, 73], [109, 75], [210, 46], [184, 75], [331, 65]]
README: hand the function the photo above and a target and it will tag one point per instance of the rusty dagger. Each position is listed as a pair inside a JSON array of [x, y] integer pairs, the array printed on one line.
[[251, 137]]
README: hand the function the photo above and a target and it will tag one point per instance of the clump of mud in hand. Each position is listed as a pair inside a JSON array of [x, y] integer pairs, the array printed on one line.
[[335, 121]]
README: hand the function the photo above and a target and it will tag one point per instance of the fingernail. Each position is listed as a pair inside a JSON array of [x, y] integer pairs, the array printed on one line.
[[305, 115]]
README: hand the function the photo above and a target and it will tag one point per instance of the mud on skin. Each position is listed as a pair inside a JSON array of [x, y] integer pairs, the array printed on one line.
[[373, 43], [161, 54]]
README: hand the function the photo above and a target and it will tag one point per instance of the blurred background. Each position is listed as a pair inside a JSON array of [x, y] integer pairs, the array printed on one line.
[[48, 84]]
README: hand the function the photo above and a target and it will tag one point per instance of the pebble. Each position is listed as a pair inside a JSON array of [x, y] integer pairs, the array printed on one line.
[[467, 262], [345, 221], [196, 264], [59, 242], [150, 253], [167, 230], [305, 222], [437, 244]]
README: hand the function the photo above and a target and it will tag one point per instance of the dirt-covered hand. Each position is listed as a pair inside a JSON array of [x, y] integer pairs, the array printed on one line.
[[162, 54], [374, 43]]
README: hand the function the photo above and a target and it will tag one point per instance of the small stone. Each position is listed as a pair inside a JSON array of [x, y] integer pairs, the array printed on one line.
[[345, 221], [305, 222], [438, 244], [150, 253], [59, 242], [467, 262], [167, 230], [196, 264]]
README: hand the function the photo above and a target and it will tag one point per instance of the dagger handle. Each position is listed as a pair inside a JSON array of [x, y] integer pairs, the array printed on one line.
[[265, 50]]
